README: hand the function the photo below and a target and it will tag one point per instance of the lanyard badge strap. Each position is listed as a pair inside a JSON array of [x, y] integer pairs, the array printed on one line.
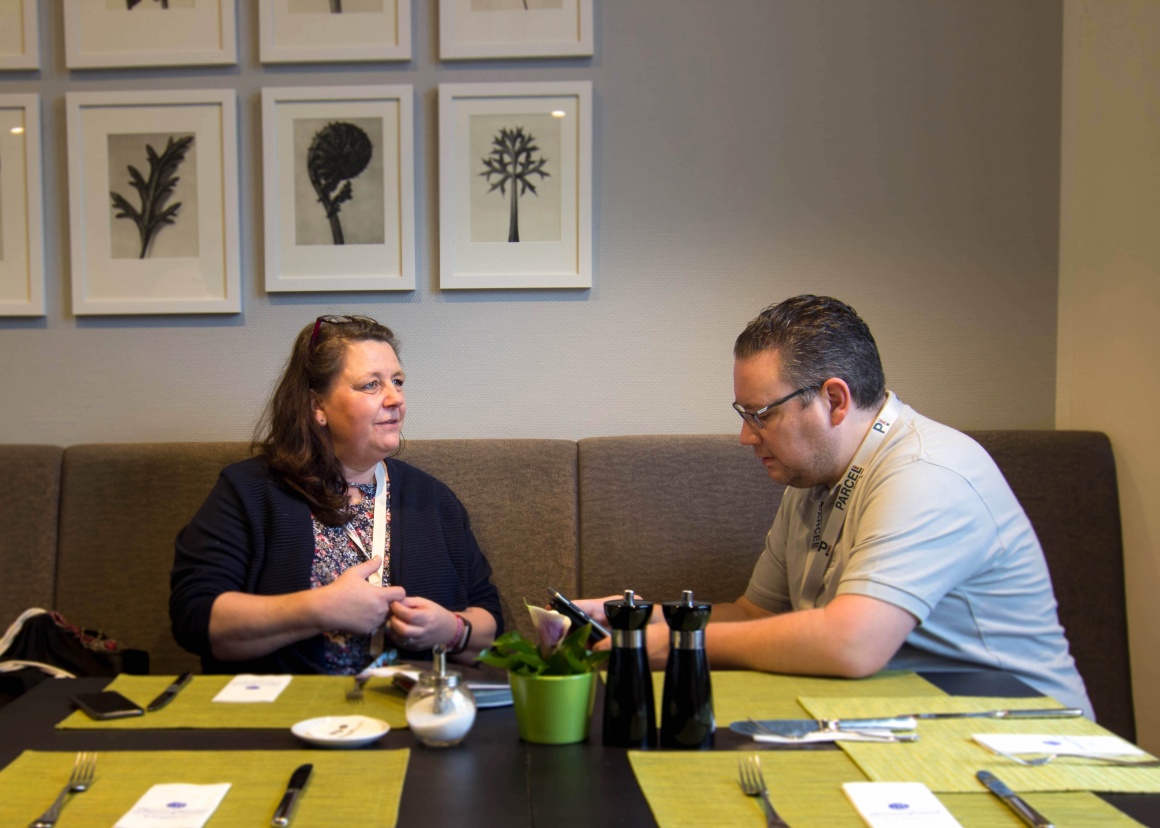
[[378, 541], [828, 527]]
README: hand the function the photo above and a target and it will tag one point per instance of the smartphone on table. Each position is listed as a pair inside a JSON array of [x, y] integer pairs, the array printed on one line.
[[579, 617], [107, 704]]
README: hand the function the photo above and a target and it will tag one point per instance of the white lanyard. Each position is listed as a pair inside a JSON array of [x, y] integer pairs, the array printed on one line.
[[379, 533], [826, 531], [378, 545]]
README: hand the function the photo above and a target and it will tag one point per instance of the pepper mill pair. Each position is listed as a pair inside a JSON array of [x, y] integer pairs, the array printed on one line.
[[687, 704]]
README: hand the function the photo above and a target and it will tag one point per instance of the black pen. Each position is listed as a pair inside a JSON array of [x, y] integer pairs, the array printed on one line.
[[170, 693]]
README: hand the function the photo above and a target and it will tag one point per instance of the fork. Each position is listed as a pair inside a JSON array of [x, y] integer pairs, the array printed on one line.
[[1051, 757], [752, 782], [84, 769], [355, 694]]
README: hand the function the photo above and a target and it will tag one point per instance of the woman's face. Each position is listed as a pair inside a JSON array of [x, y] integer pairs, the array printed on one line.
[[364, 407]]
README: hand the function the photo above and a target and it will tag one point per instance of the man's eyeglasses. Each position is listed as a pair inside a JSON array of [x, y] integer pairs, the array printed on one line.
[[331, 320], [757, 418]]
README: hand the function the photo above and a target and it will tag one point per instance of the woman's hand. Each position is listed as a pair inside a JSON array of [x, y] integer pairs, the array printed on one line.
[[419, 624], [351, 604], [244, 626]]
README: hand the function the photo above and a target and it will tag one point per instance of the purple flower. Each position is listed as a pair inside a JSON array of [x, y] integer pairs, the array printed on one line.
[[550, 629]]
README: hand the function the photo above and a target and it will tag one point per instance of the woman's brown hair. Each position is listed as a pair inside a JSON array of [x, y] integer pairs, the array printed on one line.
[[287, 435]]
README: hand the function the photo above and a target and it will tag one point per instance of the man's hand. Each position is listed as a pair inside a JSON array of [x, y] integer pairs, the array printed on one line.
[[595, 607]]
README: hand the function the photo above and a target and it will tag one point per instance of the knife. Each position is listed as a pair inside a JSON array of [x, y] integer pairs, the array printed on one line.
[[800, 727], [294, 788], [1013, 801], [170, 693], [1040, 713]]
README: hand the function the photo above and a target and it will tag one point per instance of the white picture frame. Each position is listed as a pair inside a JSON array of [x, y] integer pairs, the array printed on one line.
[[308, 31], [472, 29], [103, 34], [21, 207], [553, 242], [19, 39], [189, 265], [317, 238]]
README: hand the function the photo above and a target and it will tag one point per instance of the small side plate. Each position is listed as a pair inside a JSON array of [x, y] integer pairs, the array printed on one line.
[[340, 731]]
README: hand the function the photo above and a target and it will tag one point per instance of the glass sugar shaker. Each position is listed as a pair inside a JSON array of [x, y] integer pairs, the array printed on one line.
[[440, 707]]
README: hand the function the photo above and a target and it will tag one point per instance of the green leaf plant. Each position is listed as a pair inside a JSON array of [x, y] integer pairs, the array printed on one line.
[[154, 191], [556, 651]]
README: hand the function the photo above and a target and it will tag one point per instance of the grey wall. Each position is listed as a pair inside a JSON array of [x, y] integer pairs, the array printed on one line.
[[900, 154]]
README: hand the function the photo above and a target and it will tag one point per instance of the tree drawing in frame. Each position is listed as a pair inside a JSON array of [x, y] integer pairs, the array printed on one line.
[[334, 6], [513, 161], [339, 193], [156, 216], [514, 193]]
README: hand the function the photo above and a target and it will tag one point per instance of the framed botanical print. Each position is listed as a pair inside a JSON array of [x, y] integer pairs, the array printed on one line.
[[515, 185], [153, 201], [338, 165], [21, 213], [314, 31], [116, 33], [19, 46], [514, 28]]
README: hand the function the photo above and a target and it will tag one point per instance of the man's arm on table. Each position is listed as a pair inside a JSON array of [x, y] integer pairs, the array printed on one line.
[[853, 636]]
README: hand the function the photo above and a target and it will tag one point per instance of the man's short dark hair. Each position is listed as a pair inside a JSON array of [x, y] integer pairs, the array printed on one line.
[[818, 337]]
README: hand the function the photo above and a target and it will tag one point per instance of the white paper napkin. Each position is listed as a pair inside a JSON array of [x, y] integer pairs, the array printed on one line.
[[1062, 745], [247, 688], [175, 806], [895, 804], [389, 672], [864, 735]]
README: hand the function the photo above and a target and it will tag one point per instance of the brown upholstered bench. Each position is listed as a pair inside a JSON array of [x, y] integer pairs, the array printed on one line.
[[89, 529]]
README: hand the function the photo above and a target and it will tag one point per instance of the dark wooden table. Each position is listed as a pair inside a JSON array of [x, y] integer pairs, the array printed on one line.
[[492, 778]]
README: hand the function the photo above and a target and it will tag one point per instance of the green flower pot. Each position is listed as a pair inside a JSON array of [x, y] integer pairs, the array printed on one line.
[[553, 710]]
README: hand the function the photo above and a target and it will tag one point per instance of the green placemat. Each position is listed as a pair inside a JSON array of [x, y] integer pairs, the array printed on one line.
[[694, 789], [739, 694], [1068, 810], [946, 757], [305, 698], [346, 788]]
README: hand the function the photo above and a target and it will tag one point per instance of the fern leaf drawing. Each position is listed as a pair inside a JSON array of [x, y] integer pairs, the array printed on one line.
[[154, 191]]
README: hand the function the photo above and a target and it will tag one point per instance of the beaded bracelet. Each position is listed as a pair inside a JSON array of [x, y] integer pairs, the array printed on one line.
[[458, 633], [462, 635]]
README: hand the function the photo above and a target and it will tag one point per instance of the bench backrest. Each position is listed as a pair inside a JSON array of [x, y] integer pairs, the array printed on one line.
[[658, 514]]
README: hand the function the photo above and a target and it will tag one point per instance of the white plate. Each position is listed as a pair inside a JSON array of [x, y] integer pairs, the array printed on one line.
[[340, 731]]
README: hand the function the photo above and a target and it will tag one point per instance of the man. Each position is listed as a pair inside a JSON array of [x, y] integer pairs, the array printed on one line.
[[898, 544]]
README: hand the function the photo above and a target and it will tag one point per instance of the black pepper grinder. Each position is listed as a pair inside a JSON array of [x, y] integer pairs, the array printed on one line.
[[630, 718], [687, 706]]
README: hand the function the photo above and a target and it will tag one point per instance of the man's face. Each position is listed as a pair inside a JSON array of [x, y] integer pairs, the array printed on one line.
[[796, 445]]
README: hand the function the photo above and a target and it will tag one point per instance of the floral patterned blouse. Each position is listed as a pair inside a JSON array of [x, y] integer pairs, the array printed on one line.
[[334, 554]]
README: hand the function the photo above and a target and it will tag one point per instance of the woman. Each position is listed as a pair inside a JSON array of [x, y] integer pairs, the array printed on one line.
[[320, 551]]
